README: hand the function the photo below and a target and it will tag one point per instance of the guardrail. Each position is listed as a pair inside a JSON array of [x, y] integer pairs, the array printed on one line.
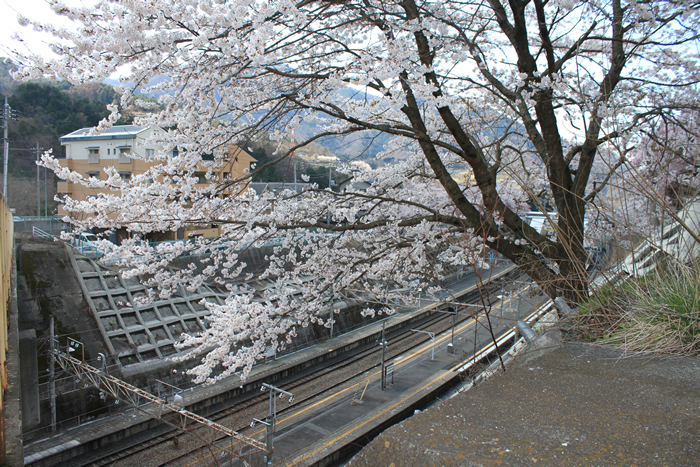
[[37, 232], [25, 225]]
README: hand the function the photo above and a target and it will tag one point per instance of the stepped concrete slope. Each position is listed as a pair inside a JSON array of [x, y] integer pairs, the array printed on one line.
[[579, 404]]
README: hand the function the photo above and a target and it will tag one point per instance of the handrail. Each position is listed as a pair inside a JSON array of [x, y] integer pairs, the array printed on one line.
[[36, 232]]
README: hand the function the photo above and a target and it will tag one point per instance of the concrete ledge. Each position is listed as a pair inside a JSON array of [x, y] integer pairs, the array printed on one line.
[[580, 404]]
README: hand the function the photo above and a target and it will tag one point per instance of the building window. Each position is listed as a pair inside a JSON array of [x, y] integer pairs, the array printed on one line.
[[124, 155], [108, 151], [125, 176], [201, 177], [94, 174], [93, 155], [149, 153]]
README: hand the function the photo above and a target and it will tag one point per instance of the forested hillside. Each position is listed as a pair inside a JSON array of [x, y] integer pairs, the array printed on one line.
[[45, 111]]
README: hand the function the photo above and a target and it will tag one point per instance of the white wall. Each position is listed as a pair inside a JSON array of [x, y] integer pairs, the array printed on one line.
[[78, 150]]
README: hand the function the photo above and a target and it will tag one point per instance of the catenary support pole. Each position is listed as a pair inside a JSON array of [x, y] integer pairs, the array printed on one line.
[[383, 363]]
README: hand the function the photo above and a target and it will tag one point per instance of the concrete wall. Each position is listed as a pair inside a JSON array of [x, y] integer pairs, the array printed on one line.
[[7, 229], [10, 415]]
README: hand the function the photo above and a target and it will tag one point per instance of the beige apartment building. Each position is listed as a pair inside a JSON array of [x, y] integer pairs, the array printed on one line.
[[125, 148]]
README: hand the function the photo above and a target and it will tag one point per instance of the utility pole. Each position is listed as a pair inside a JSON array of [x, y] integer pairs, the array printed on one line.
[[38, 183], [52, 375], [328, 215], [7, 115], [46, 194], [301, 167], [6, 148]]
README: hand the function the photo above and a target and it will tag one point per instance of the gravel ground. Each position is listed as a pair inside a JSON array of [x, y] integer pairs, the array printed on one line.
[[579, 404]]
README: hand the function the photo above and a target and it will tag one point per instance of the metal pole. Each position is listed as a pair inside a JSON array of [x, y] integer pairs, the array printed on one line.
[[38, 183], [328, 214], [268, 440], [46, 194], [454, 316], [269, 435], [432, 339], [52, 374], [6, 148], [271, 417], [520, 299], [383, 349], [503, 297]]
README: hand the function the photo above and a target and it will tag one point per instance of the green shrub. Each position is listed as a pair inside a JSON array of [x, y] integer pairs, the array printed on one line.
[[658, 313]]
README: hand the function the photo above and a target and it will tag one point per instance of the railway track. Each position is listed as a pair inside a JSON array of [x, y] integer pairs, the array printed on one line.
[[171, 445]]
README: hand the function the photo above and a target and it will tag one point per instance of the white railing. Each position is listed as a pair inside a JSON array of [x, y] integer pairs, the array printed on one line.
[[41, 233]]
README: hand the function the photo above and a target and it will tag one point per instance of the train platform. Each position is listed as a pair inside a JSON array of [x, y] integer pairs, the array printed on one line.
[[579, 404], [326, 432], [100, 432]]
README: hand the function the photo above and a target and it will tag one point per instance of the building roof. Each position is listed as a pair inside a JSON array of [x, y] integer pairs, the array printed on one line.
[[116, 132], [261, 187]]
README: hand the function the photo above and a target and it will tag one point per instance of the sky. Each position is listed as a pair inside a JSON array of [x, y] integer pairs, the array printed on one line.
[[39, 10], [34, 41]]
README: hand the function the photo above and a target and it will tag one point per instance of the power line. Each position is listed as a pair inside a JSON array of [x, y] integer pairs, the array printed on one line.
[[119, 389]]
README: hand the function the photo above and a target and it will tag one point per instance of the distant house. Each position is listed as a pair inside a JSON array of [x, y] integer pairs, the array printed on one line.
[[358, 185], [90, 154]]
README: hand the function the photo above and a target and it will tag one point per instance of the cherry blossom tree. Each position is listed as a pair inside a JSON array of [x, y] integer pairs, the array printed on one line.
[[539, 102], [668, 160]]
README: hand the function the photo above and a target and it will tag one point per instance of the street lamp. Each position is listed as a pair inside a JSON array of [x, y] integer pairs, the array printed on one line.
[[453, 312], [383, 344], [522, 287], [432, 338], [272, 417], [506, 295], [450, 310]]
